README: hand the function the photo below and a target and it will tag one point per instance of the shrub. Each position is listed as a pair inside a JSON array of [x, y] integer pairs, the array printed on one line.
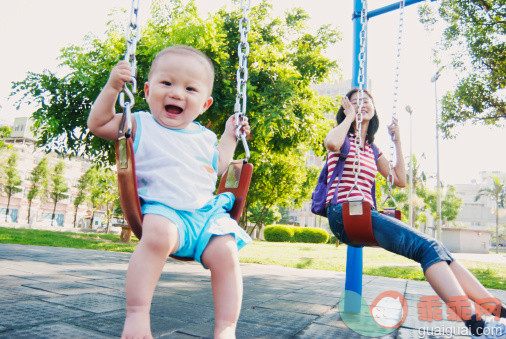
[[333, 240], [278, 233], [310, 235]]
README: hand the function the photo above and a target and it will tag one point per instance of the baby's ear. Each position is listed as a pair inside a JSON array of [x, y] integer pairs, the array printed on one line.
[[207, 104], [146, 90]]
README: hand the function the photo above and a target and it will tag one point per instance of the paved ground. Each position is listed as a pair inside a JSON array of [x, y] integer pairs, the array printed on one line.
[[60, 292]]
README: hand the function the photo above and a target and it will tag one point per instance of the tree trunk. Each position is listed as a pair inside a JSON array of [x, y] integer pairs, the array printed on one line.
[[259, 220], [29, 210], [54, 211], [497, 228], [75, 216], [91, 220], [8, 204]]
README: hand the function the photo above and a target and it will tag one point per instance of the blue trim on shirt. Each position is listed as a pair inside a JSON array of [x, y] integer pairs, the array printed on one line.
[[216, 157], [183, 130], [138, 131]]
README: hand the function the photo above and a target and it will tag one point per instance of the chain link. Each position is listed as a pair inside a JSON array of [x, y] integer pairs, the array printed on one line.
[[360, 96], [242, 74], [133, 34], [390, 178]]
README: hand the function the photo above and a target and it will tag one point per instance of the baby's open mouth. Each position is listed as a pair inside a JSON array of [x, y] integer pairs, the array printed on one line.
[[173, 109]]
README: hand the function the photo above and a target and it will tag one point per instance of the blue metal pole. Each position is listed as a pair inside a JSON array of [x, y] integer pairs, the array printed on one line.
[[354, 258], [388, 8]]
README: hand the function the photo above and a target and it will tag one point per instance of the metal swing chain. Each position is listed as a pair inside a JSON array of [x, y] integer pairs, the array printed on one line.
[[132, 38], [360, 96], [242, 75], [390, 179]]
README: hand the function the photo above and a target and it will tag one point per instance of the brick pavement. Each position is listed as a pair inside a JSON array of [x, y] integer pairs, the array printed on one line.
[[63, 292]]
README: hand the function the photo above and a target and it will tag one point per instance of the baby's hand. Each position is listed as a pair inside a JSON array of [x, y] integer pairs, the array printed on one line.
[[120, 74], [230, 127]]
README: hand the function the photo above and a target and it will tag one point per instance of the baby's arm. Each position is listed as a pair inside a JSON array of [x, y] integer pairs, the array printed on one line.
[[103, 120], [228, 142]]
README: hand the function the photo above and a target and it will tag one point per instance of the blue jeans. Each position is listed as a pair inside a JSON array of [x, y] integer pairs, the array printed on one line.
[[394, 236]]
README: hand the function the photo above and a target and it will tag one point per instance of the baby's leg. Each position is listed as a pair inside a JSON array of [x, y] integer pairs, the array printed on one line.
[[159, 239], [220, 256]]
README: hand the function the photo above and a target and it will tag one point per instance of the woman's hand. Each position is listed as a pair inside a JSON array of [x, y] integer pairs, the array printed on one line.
[[393, 130], [349, 110]]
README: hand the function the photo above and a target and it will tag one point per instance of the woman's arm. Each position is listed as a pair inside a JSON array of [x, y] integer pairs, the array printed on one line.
[[335, 138], [399, 170]]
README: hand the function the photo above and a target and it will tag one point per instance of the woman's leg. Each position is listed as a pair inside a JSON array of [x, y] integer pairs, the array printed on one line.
[[159, 239], [221, 257], [475, 290]]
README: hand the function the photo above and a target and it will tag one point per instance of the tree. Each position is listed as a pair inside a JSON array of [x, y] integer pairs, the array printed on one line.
[[81, 186], [496, 192], [450, 203], [109, 188], [5, 132], [473, 40], [38, 179], [285, 113], [261, 216], [95, 191], [57, 186], [11, 179]]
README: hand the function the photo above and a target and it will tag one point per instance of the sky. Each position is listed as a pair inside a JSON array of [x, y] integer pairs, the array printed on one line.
[[32, 32]]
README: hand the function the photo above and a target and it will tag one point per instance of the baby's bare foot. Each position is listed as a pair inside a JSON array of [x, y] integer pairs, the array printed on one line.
[[137, 325]]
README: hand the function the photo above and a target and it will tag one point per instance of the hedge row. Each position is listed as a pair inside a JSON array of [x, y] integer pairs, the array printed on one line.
[[282, 233]]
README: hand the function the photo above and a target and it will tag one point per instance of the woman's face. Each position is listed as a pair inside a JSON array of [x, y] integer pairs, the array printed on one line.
[[368, 109]]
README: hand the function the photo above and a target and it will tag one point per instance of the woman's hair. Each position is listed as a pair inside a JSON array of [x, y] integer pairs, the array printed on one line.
[[373, 123]]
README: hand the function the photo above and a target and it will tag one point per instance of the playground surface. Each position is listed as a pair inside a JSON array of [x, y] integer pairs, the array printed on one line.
[[64, 292]]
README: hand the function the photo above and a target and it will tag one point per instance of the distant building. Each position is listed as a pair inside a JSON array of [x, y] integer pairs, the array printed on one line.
[[478, 215], [22, 139]]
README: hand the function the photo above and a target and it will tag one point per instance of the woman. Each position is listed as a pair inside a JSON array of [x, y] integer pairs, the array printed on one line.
[[454, 284]]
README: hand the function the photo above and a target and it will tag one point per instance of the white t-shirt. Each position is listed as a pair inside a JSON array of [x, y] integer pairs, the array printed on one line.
[[175, 167]]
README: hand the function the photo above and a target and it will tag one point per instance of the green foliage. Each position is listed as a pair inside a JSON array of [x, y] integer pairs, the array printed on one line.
[[310, 235], [38, 179], [333, 240], [261, 215], [57, 185], [38, 182], [5, 132], [497, 192], [474, 41], [423, 198], [285, 113], [283, 233], [82, 187], [278, 233], [10, 178]]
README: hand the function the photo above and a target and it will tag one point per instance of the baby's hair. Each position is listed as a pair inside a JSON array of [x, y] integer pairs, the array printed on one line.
[[183, 49]]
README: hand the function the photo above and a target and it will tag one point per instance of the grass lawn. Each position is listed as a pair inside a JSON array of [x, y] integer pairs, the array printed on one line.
[[377, 261]]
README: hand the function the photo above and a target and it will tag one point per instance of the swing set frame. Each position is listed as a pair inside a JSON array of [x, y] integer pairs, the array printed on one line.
[[354, 257]]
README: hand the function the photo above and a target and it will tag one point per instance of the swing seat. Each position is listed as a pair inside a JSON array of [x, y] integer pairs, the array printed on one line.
[[235, 180], [357, 223], [392, 211]]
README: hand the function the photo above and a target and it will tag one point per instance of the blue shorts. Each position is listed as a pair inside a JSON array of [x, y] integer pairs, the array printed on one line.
[[394, 236], [196, 228]]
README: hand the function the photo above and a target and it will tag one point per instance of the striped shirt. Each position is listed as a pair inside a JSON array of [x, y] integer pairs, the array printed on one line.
[[366, 177]]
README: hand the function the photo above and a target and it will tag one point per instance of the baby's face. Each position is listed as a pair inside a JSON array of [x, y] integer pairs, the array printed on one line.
[[178, 90]]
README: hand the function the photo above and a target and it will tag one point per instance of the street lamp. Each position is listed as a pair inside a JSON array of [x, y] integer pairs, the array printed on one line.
[[438, 189], [410, 111]]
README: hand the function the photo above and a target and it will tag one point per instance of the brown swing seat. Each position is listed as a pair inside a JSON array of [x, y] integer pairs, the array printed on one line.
[[129, 197], [357, 222]]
